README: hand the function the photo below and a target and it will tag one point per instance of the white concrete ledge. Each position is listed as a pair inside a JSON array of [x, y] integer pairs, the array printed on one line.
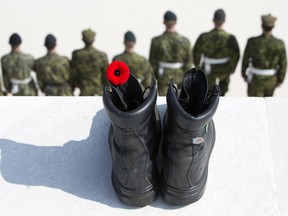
[[55, 159]]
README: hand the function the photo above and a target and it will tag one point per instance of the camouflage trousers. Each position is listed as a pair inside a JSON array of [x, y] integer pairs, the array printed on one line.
[[262, 86], [169, 75], [223, 83], [58, 90]]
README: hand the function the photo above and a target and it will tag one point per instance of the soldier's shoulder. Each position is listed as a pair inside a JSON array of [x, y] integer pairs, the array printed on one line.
[[63, 58], [5, 57], [157, 38], [26, 56], [279, 41], [184, 39], [118, 57]]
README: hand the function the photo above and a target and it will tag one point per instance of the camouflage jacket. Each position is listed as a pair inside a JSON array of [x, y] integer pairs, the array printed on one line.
[[89, 70], [265, 52], [139, 66], [217, 44], [17, 65], [170, 47], [53, 74]]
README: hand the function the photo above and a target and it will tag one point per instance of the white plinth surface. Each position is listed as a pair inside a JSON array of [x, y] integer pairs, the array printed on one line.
[[55, 159]]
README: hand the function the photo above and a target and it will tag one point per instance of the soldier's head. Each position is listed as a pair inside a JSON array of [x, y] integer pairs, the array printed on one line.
[[50, 42], [15, 40], [219, 17], [170, 20], [268, 22], [88, 36], [129, 40]]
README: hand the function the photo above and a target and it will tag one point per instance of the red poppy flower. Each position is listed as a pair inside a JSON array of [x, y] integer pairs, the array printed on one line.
[[117, 73]]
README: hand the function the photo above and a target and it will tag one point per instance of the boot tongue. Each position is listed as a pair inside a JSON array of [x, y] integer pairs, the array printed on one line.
[[128, 96], [193, 92]]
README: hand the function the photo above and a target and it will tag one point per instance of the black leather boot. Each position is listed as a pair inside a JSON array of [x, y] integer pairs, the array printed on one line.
[[134, 138], [189, 137]]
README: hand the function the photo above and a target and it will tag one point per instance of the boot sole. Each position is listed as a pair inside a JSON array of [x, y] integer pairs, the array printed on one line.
[[137, 197], [185, 196]]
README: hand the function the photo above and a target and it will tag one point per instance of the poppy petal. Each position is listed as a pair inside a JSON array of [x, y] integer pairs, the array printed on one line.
[[117, 73]]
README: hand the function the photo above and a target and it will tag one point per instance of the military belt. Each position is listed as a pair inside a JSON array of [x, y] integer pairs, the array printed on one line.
[[213, 61], [17, 82], [263, 72], [21, 82], [171, 65]]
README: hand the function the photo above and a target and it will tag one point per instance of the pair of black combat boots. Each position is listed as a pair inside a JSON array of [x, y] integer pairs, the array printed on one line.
[[187, 139]]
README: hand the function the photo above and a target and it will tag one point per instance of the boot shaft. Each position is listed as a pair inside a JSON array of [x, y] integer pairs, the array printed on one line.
[[133, 137], [189, 132]]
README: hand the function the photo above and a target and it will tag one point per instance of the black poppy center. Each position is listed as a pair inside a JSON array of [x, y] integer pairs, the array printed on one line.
[[117, 72]]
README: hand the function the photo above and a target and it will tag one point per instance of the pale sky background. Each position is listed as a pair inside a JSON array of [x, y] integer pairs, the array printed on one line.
[[33, 20]]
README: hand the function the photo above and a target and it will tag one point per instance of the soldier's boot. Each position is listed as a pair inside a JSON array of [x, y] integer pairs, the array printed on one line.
[[189, 137], [134, 138]]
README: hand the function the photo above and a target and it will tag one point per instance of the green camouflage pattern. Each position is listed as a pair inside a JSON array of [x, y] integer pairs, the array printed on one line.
[[264, 52], [139, 66], [217, 44], [18, 65], [53, 74], [170, 47], [89, 71]]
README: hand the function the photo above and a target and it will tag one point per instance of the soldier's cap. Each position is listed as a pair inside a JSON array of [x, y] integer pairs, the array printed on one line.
[[129, 36], [88, 35], [15, 39], [219, 15], [170, 16], [268, 20], [50, 41]]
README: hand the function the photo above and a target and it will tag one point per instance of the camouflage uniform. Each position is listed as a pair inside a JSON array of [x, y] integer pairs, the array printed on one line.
[[265, 52], [217, 44], [264, 61], [138, 65], [89, 70], [16, 70], [170, 47], [53, 74]]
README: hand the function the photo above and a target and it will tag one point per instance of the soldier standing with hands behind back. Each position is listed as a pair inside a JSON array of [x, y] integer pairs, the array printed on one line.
[[53, 71], [139, 66], [88, 67], [16, 70], [264, 62], [170, 55], [217, 53]]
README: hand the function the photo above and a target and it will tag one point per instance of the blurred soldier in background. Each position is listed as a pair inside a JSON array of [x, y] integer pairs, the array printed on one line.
[[1, 91], [138, 65], [88, 67], [264, 61], [53, 71], [217, 53], [16, 70], [170, 55]]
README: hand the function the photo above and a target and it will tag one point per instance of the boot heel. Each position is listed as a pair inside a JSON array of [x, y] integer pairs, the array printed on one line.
[[185, 196], [137, 198]]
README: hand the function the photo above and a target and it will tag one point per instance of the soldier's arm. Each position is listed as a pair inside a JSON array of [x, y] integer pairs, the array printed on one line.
[[73, 78], [37, 70], [234, 53], [189, 60], [103, 70], [197, 51], [148, 73], [6, 80], [282, 65], [153, 56], [245, 61]]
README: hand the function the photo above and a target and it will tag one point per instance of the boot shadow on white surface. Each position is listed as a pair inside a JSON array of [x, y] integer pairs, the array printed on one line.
[[81, 168]]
